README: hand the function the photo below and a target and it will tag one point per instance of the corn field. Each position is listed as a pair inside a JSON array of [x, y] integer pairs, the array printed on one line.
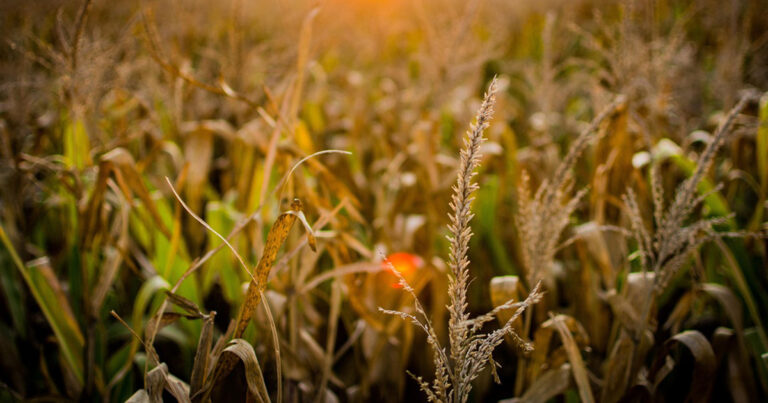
[[383, 201]]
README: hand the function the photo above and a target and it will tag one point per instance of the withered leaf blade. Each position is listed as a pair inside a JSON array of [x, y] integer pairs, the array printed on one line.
[[618, 365], [722, 343], [126, 165], [310, 234], [198, 150], [177, 388], [221, 343], [624, 311], [574, 356], [704, 366], [304, 47], [202, 356], [541, 341], [166, 319], [140, 396], [729, 301], [185, 304], [680, 312], [242, 350], [158, 379], [275, 239], [550, 384], [156, 382]]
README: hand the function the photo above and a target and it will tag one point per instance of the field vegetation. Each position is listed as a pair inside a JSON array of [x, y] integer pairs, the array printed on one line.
[[368, 200]]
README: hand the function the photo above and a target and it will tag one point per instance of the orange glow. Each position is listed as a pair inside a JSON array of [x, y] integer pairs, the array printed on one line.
[[405, 263]]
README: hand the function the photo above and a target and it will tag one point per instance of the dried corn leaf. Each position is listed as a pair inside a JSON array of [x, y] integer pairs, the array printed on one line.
[[305, 38], [310, 233], [198, 150], [722, 343], [242, 350], [740, 379], [638, 287], [704, 367], [679, 312], [155, 382], [729, 301], [333, 318], [313, 348], [574, 356], [669, 365], [363, 267], [593, 236], [192, 309], [624, 311], [541, 341], [317, 356], [339, 188], [617, 369], [550, 384], [202, 356], [166, 319], [275, 239], [126, 165], [579, 334], [140, 396], [215, 126], [177, 388]]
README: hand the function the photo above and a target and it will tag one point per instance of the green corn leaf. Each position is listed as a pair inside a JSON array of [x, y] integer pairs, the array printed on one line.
[[50, 297]]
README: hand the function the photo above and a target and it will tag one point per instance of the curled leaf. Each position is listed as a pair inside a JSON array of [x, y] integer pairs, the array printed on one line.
[[704, 367], [242, 350]]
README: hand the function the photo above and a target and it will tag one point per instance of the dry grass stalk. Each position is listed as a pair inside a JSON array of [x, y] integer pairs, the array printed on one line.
[[469, 352]]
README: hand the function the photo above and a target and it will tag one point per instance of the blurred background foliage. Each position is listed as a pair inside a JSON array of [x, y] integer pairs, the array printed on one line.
[[100, 102]]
